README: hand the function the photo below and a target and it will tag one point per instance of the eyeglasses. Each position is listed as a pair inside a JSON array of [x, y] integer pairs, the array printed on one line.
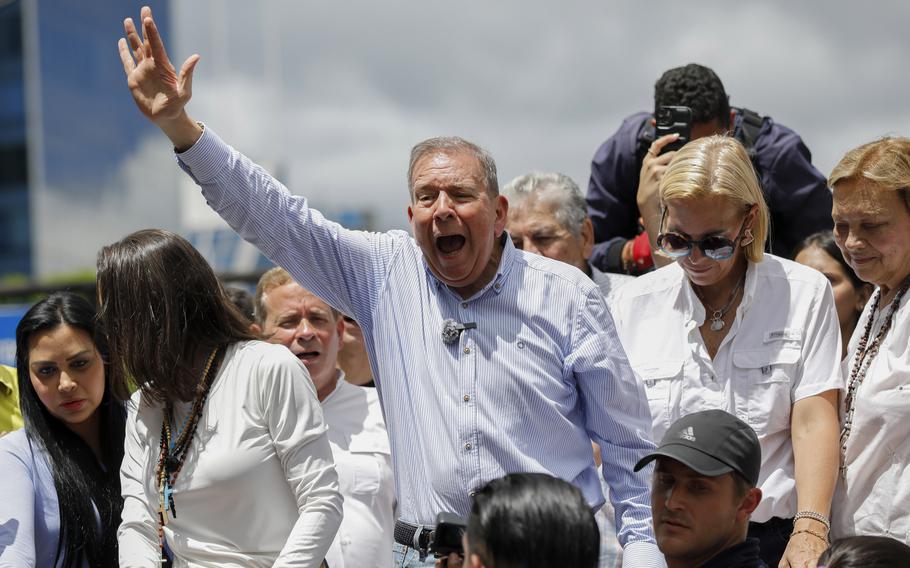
[[715, 247]]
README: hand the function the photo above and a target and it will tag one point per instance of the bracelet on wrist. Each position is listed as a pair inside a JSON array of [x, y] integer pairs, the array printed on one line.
[[822, 537], [814, 516]]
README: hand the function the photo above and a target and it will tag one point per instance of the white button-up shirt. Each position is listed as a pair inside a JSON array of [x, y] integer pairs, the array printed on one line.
[[874, 499], [783, 346], [360, 446]]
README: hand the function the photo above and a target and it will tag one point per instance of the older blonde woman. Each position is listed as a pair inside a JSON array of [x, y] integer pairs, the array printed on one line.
[[727, 326], [872, 228]]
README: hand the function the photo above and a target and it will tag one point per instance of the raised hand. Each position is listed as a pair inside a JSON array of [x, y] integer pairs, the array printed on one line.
[[160, 92]]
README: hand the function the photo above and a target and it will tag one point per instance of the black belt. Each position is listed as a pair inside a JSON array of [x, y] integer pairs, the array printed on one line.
[[413, 536]]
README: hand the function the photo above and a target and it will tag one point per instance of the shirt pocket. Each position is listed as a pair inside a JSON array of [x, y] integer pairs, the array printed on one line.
[[662, 382], [359, 473], [763, 380]]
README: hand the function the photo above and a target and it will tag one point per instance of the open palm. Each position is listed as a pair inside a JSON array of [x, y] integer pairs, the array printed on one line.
[[159, 91]]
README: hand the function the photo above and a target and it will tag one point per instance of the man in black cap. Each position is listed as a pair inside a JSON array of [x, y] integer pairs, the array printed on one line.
[[704, 491]]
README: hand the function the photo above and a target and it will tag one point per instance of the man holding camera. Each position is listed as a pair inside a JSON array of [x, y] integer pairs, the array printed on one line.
[[627, 169], [488, 360]]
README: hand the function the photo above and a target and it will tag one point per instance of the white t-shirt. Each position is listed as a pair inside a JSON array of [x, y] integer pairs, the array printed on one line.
[[360, 445], [258, 487], [874, 499], [783, 346]]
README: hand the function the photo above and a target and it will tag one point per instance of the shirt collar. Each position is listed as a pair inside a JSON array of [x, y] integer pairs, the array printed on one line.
[[695, 310], [497, 283]]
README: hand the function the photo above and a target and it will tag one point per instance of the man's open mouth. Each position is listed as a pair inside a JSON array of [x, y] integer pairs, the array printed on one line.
[[450, 243], [307, 356]]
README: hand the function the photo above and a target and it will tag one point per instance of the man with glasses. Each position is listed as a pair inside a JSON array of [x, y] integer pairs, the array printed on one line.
[[729, 327]]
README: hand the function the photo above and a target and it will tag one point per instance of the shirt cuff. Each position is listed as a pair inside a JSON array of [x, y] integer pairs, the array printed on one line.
[[641, 554], [206, 158]]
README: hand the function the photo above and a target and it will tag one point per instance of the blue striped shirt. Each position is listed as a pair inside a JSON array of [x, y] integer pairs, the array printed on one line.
[[541, 376]]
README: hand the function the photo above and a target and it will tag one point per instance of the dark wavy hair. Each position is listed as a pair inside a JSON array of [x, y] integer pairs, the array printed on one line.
[[825, 241], [82, 484], [162, 306], [696, 87], [866, 552], [533, 519]]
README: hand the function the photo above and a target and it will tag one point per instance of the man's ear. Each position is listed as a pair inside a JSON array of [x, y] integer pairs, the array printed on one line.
[[339, 325], [255, 329], [475, 562], [749, 503], [587, 238], [501, 211]]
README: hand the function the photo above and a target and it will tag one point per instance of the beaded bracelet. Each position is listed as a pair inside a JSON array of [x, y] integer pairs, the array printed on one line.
[[814, 516], [813, 533]]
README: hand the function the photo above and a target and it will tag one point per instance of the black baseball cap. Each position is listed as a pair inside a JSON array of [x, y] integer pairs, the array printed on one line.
[[711, 442]]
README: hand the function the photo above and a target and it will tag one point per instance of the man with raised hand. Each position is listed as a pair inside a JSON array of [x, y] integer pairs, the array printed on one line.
[[488, 360]]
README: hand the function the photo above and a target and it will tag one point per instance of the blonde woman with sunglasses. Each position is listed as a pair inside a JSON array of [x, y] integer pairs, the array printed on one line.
[[726, 326]]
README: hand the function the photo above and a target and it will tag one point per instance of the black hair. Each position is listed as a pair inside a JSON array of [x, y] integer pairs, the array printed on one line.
[[162, 306], [532, 519], [243, 301], [696, 87], [825, 241], [82, 484], [866, 552]]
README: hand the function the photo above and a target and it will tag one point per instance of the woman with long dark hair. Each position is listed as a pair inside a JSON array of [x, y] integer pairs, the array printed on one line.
[[819, 251], [227, 461], [60, 491]]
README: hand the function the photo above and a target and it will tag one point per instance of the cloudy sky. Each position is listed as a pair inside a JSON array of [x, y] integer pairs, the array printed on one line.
[[331, 95]]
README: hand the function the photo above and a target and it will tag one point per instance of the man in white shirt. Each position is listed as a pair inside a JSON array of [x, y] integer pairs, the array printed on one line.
[[288, 314], [548, 216]]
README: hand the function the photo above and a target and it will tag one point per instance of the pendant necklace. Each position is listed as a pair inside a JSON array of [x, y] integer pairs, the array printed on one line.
[[717, 316], [173, 449]]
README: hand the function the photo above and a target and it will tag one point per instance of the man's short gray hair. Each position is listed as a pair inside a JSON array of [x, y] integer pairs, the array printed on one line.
[[569, 205], [452, 145]]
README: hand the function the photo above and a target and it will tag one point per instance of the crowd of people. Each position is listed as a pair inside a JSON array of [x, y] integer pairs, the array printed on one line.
[[488, 390]]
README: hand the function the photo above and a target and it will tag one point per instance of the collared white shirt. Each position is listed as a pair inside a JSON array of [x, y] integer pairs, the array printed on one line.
[[874, 499], [609, 282], [360, 446], [783, 346]]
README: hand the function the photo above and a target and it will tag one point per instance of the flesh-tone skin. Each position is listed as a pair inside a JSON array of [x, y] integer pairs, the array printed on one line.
[[871, 227], [352, 357], [306, 325], [696, 517], [67, 373], [533, 226], [848, 299], [456, 220]]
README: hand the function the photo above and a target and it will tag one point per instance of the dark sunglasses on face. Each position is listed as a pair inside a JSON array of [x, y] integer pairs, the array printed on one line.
[[715, 247]]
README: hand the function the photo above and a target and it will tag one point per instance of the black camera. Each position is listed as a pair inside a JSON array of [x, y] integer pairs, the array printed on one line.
[[673, 120], [446, 537]]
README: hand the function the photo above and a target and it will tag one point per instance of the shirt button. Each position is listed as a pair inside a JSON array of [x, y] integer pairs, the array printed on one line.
[[497, 286], [467, 350], [467, 397], [472, 494], [468, 446], [521, 344], [464, 304]]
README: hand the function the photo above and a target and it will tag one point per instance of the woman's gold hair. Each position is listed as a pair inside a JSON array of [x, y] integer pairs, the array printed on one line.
[[718, 166]]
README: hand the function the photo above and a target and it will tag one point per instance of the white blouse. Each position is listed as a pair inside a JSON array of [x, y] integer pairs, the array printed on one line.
[[783, 346], [258, 487], [874, 498]]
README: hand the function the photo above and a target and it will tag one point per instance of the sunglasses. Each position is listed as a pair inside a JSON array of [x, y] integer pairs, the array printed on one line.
[[715, 247]]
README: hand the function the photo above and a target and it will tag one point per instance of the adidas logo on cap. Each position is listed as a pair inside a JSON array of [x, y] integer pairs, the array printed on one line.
[[688, 434]]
